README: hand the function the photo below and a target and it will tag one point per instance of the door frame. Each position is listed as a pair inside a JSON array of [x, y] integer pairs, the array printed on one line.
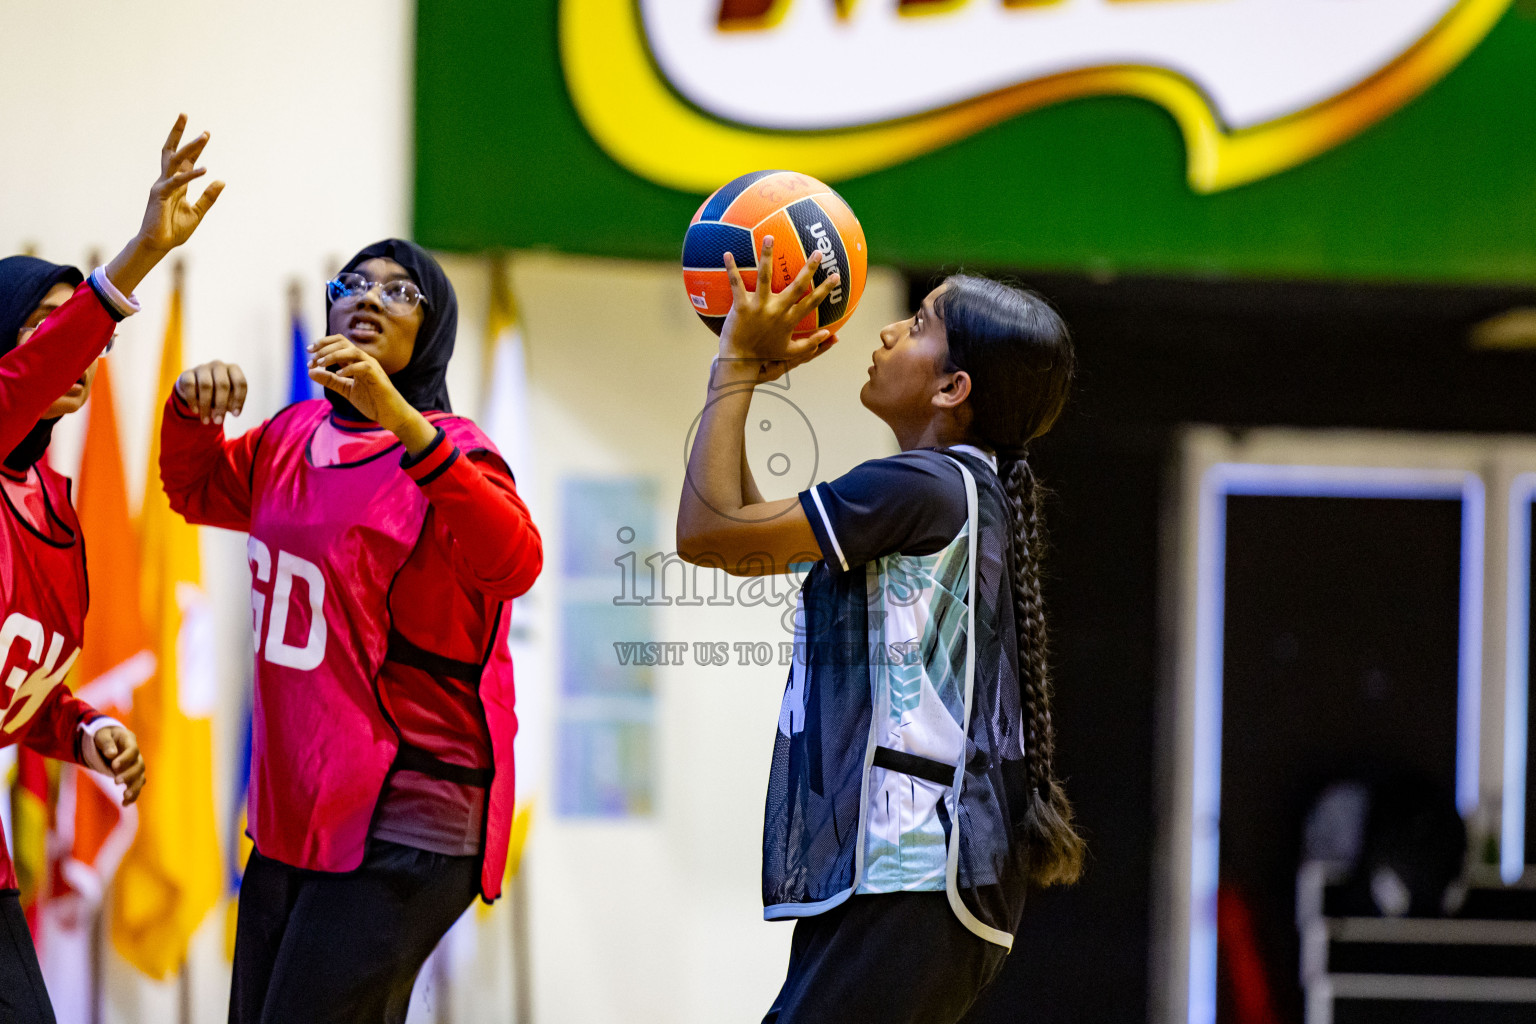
[[1212, 463]]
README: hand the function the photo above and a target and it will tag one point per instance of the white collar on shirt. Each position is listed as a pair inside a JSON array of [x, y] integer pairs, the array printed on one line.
[[990, 459]]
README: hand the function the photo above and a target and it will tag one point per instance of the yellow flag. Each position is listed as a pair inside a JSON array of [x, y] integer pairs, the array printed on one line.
[[172, 876]]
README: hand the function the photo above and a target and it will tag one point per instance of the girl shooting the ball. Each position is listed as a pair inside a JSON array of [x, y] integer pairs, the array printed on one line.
[[54, 324], [387, 540], [912, 800]]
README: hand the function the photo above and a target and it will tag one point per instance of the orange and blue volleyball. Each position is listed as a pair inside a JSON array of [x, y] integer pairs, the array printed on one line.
[[803, 215]]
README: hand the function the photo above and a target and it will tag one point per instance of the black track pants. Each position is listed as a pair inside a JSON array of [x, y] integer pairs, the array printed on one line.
[[314, 947], [23, 997], [894, 958]]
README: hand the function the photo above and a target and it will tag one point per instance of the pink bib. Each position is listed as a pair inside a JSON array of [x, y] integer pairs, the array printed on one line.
[[326, 543]]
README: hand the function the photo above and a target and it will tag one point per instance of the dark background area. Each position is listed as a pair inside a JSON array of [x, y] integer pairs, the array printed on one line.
[[1340, 662], [1155, 354]]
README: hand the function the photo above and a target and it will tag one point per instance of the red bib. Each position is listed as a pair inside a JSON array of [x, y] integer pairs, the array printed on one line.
[[43, 597]]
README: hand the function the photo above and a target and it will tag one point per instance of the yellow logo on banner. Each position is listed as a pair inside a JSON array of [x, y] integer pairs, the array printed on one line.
[[690, 93]]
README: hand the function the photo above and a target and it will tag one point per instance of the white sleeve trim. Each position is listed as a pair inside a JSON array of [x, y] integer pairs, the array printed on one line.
[[93, 759], [827, 522], [126, 305]]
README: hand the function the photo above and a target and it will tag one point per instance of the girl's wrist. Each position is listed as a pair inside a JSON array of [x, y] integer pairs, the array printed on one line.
[[130, 266], [413, 429], [146, 245], [734, 368]]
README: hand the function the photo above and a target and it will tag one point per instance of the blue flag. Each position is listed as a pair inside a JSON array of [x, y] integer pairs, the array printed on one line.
[[240, 844], [300, 387]]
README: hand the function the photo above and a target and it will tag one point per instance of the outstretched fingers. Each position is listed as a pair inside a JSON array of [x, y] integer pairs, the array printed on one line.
[[815, 296], [765, 270], [803, 282], [334, 349], [802, 350], [187, 155], [179, 180], [325, 378], [738, 289], [208, 198], [172, 142], [821, 341]]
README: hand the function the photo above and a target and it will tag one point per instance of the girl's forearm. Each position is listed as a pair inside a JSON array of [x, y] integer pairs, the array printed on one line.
[[129, 267], [750, 495], [413, 429], [715, 483]]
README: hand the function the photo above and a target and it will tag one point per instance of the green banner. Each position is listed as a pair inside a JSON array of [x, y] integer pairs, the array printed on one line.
[[596, 126]]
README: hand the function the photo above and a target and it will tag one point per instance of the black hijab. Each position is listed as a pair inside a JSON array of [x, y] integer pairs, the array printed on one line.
[[424, 381], [24, 282]]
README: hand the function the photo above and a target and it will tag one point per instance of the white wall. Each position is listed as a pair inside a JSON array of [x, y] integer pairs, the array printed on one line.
[[656, 919]]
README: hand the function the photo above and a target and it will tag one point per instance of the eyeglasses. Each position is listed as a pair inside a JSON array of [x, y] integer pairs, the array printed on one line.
[[399, 296], [27, 332]]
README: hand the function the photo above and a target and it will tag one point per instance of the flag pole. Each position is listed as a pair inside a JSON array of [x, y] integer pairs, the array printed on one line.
[[443, 1012], [98, 948], [522, 964], [98, 915], [184, 994], [183, 975]]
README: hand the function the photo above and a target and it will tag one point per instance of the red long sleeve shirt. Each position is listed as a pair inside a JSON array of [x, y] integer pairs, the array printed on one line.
[[43, 598], [476, 528], [208, 480], [34, 375]]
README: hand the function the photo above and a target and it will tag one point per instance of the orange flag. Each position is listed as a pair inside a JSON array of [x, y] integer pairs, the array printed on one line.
[[114, 658], [91, 828]]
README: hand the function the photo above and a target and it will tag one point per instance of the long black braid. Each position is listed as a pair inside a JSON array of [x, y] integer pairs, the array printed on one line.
[[1055, 849], [1018, 354]]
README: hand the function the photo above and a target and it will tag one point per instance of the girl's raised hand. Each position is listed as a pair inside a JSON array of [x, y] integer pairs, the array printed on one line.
[[213, 390], [170, 218], [336, 363], [761, 321]]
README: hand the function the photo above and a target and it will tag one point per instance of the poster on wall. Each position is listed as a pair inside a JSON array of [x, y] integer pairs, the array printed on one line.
[[606, 708], [1256, 86], [1375, 139]]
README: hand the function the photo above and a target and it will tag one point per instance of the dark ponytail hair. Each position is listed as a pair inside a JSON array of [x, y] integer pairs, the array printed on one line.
[[1018, 354]]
